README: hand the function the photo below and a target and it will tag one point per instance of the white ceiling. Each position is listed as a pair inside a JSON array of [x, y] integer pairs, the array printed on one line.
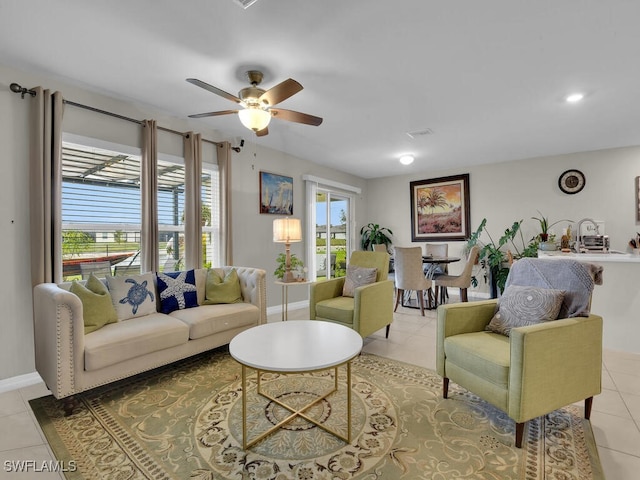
[[487, 77]]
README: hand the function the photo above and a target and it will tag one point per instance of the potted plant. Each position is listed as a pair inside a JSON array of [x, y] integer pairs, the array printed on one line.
[[281, 259], [374, 233], [494, 258], [545, 226]]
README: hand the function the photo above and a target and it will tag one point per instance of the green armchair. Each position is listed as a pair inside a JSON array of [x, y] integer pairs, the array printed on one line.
[[371, 307], [537, 369]]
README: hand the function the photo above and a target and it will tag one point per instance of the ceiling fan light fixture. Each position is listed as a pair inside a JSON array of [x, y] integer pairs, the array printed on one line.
[[254, 119]]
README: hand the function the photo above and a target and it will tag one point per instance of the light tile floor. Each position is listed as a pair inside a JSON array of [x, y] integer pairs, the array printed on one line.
[[615, 418]]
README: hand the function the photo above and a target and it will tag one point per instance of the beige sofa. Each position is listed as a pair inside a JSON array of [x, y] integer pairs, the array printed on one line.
[[70, 362]]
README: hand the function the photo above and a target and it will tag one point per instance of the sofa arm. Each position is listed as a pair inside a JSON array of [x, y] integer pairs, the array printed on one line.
[[59, 337], [253, 284], [458, 318], [373, 307], [554, 364], [325, 290]]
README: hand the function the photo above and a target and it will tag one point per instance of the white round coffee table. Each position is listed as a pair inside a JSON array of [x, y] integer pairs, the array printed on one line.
[[296, 346]]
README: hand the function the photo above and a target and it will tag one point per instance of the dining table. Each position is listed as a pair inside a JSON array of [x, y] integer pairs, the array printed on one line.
[[433, 267]]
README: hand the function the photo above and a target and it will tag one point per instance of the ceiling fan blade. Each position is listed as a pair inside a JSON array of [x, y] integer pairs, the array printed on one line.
[[263, 132], [297, 117], [281, 92], [212, 89], [213, 114]]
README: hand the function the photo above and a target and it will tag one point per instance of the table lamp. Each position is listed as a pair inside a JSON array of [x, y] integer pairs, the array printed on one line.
[[287, 230]]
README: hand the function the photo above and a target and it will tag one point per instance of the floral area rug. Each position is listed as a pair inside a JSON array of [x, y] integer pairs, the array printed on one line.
[[184, 421]]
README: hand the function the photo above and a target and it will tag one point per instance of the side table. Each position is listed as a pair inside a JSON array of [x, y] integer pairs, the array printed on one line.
[[285, 296]]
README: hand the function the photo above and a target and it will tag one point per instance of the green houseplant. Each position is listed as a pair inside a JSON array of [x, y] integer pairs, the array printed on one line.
[[545, 226], [374, 233], [494, 257], [281, 260]]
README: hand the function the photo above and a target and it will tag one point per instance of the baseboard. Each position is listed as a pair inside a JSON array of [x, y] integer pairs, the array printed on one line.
[[277, 309], [21, 381]]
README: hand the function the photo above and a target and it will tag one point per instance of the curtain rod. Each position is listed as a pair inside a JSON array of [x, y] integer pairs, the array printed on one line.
[[23, 91]]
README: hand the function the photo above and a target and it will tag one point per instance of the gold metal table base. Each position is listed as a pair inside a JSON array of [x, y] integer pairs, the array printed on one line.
[[295, 412]]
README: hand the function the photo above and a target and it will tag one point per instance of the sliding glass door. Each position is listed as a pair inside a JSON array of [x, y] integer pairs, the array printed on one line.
[[332, 239]]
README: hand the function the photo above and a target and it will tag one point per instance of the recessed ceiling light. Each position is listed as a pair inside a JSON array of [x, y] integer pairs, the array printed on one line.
[[574, 97], [406, 159]]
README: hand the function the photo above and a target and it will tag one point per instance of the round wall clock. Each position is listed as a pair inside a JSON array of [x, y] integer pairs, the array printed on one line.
[[571, 181]]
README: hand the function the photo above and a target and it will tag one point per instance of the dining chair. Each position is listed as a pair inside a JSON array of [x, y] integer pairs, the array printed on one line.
[[439, 250], [462, 281], [379, 247], [410, 277]]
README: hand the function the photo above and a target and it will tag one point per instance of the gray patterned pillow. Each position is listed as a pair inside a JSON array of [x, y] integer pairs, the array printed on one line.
[[521, 306], [357, 277]]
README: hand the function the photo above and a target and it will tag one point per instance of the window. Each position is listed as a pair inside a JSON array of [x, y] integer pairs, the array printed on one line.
[[101, 205]]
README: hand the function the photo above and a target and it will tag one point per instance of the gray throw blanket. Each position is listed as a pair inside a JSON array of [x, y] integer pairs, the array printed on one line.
[[575, 278]]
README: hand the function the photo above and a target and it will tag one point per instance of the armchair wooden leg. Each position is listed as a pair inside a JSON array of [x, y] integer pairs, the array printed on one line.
[[519, 433], [399, 294], [387, 334], [445, 387], [420, 295], [435, 296], [588, 402]]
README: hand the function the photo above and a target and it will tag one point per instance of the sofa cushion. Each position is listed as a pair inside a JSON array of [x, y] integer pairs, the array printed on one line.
[[357, 277], [520, 306], [222, 290], [136, 337], [97, 309], [210, 319], [485, 354], [177, 290], [338, 308], [133, 295]]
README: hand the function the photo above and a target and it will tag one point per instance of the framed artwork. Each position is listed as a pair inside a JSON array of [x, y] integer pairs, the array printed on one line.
[[440, 209], [276, 194]]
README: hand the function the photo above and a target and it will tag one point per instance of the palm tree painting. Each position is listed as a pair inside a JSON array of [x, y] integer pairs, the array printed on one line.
[[440, 209]]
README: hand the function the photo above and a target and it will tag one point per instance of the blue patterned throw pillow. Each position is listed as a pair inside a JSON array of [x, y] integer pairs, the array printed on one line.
[[177, 290], [133, 295]]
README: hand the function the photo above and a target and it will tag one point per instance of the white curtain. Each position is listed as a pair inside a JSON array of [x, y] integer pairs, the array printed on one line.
[[226, 236], [45, 185], [150, 260], [193, 200]]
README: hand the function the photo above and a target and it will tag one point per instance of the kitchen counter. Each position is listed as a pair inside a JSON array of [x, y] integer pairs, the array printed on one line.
[[613, 256], [617, 299]]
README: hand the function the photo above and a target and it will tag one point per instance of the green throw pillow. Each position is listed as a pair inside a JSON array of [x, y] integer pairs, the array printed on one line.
[[97, 309], [222, 290]]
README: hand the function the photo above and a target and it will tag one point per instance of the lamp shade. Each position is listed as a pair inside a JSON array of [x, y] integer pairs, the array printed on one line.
[[287, 230], [254, 118]]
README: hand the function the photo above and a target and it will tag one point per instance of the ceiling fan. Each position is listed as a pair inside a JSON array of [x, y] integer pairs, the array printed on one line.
[[258, 104]]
